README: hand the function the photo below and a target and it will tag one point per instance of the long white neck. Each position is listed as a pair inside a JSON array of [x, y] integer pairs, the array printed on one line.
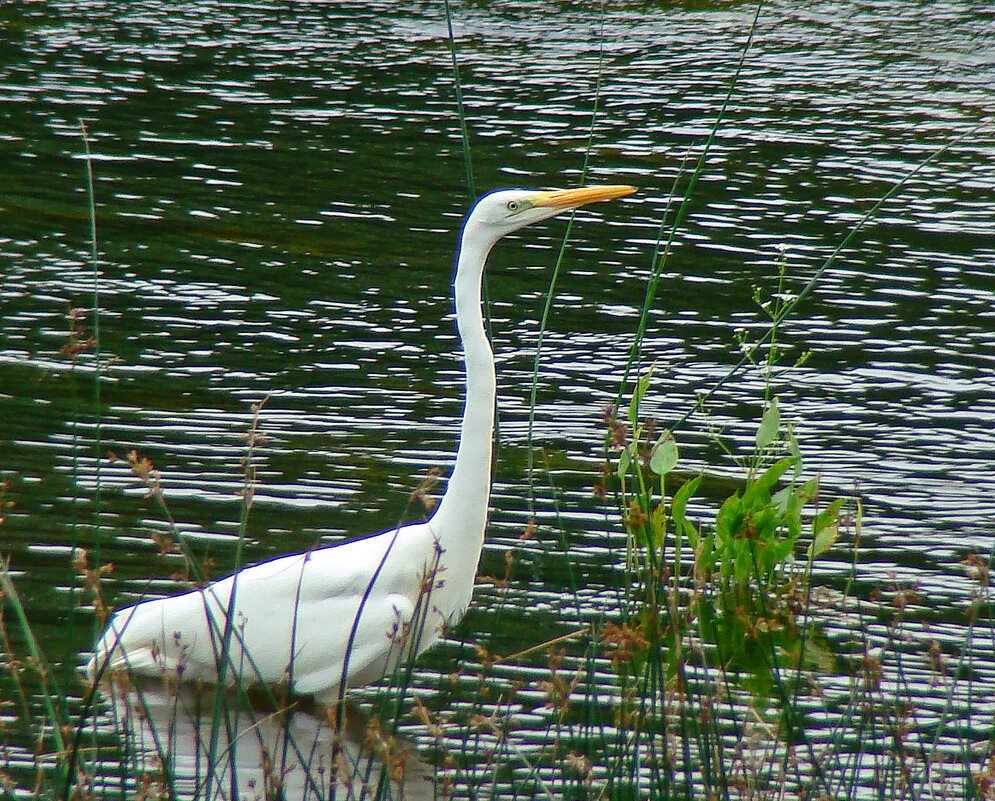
[[461, 516]]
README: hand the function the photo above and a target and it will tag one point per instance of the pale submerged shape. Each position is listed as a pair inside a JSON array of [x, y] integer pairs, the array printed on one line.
[[348, 614]]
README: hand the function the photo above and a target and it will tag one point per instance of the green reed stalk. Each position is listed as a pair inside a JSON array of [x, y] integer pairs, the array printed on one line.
[[653, 681], [460, 107], [95, 262], [49, 686], [550, 296], [69, 661], [962, 668], [556, 269], [221, 710], [659, 259], [70, 656], [471, 183], [551, 291], [97, 355]]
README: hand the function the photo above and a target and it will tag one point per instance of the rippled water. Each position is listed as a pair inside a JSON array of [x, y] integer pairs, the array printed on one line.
[[278, 192]]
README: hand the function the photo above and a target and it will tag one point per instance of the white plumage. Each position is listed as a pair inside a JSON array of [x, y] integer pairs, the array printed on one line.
[[349, 613]]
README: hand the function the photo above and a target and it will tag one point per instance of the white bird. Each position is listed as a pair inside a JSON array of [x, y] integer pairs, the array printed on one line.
[[346, 615]]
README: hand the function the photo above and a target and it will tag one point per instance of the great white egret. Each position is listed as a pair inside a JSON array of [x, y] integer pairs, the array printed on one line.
[[347, 614]]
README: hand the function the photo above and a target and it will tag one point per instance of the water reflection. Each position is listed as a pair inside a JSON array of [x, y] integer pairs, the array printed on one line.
[[252, 750]]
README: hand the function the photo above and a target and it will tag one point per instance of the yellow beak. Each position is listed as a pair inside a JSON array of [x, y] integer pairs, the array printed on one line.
[[572, 198]]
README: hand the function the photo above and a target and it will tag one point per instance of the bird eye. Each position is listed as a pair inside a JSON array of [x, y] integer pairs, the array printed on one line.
[[513, 205]]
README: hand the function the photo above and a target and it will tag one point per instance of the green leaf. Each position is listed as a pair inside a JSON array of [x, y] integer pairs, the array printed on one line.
[[778, 553], [704, 559], [825, 529], [681, 498], [664, 456], [824, 540], [785, 499], [623, 463], [642, 385], [763, 485], [795, 451], [729, 518], [678, 507], [770, 424], [658, 524]]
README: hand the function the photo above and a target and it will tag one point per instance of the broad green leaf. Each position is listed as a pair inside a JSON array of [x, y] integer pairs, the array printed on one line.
[[728, 518], [770, 424], [824, 540], [678, 511], [825, 529], [664, 456], [704, 558], [795, 451], [763, 485], [779, 552], [785, 499], [827, 516], [681, 497]]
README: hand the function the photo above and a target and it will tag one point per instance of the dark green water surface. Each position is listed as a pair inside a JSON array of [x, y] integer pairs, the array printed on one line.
[[278, 192]]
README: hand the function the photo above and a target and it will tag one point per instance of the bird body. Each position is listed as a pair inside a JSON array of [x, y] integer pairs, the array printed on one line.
[[283, 612], [349, 613]]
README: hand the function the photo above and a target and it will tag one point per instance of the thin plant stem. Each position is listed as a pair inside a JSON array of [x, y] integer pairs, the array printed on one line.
[[471, 184], [95, 262], [660, 259], [551, 292], [49, 687], [788, 308], [460, 107]]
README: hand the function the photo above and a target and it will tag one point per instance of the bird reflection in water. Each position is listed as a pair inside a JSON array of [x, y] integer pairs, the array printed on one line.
[[254, 749]]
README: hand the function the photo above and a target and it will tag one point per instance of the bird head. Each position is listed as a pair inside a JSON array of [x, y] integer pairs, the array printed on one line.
[[507, 210]]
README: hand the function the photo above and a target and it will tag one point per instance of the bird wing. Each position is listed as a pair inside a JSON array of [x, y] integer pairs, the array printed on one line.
[[310, 617], [350, 624], [381, 626]]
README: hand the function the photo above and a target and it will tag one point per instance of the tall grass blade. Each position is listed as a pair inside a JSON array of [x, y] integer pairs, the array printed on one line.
[[660, 258]]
